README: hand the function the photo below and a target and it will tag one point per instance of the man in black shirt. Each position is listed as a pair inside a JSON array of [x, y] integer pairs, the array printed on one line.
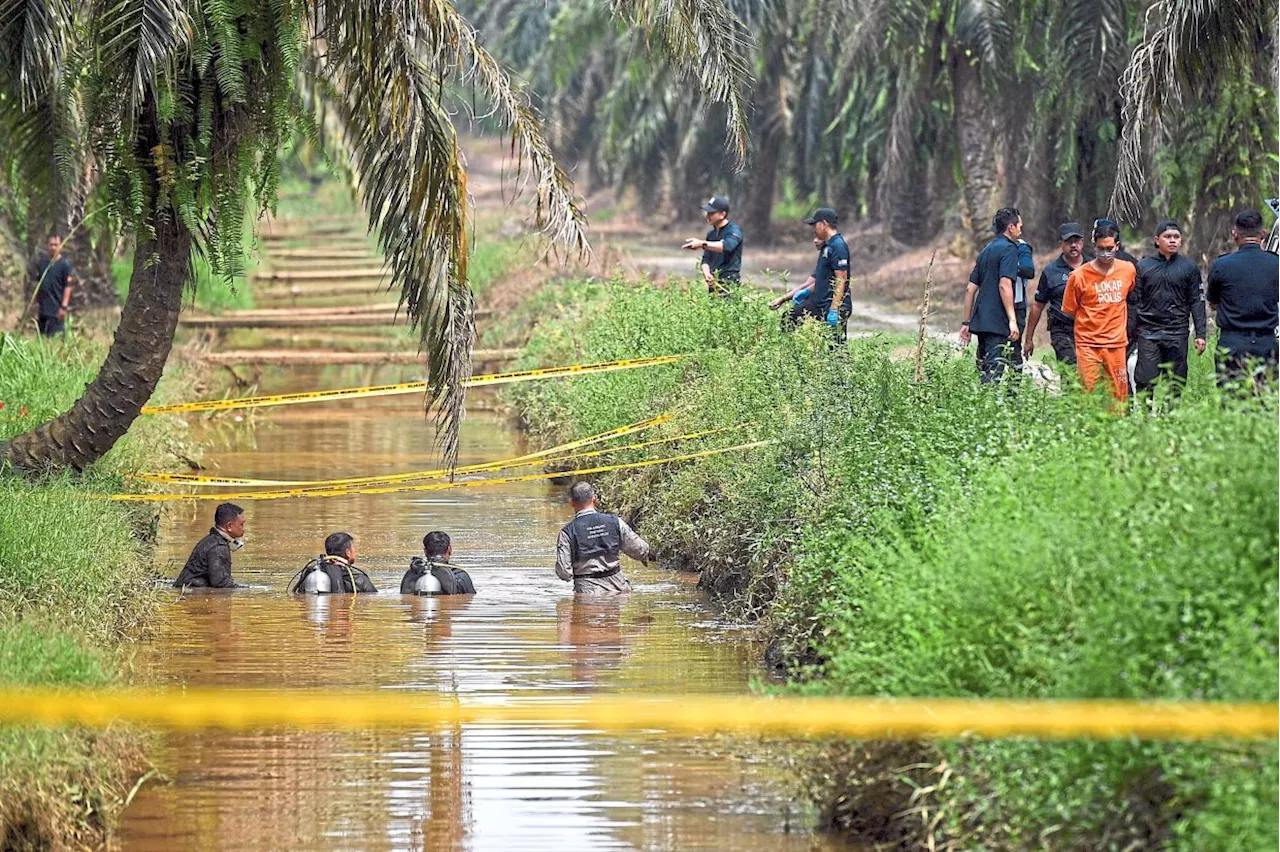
[[435, 575], [209, 565], [54, 278], [722, 248], [825, 295], [1243, 291], [988, 300], [1053, 283], [1167, 290]]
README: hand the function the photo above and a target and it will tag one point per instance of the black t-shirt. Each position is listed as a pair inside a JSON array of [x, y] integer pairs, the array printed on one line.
[[1053, 283], [833, 257], [725, 265], [999, 259], [1243, 284], [53, 284]]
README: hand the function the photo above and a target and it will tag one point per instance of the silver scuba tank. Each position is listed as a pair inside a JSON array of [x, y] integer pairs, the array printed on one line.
[[317, 583], [427, 584]]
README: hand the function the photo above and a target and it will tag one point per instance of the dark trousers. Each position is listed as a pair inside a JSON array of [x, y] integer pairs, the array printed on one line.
[[1064, 344], [1241, 348], [994, 355], [50, 326], [1157, 356], [1020, 312]]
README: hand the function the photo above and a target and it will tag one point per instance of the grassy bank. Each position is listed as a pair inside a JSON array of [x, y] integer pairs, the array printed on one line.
[[74, 588], [942, 538]]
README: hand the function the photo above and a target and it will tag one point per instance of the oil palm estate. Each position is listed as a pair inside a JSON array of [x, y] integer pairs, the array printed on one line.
[[916, 112], [170, 115]]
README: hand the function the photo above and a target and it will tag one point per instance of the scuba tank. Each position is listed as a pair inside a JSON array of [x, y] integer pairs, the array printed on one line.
[[427, 584], [317, 583]]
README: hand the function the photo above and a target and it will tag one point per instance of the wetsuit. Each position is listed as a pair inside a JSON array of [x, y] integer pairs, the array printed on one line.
[[344, 578], [452, 580]]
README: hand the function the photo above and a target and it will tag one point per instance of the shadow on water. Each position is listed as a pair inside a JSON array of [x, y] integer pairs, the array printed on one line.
[[506, 787]]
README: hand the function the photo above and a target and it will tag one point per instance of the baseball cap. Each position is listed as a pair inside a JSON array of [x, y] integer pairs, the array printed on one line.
[[1067, 230], [716, 204], [1167, 225], [823, 214]]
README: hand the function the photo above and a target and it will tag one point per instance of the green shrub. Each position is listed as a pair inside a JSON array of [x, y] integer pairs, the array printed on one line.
[[946, 538]]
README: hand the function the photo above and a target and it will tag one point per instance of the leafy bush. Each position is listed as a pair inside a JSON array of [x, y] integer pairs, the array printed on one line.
[[946, 538]]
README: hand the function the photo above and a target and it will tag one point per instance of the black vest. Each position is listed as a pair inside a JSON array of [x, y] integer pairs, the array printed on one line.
[[594, 535]]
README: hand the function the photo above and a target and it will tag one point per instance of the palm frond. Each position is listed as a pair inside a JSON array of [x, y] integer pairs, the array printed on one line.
[[1186, 44], [35, 39], [708, 43]]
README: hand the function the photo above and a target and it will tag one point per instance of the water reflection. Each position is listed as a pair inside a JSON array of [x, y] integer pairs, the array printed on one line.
[[505, 787]]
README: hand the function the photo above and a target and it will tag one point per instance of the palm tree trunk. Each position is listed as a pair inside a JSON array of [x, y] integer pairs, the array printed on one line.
[[756, 217], [976, 136], [133, 366]]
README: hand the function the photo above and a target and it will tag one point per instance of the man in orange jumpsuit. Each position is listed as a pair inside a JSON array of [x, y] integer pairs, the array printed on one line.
[[1096, 295]]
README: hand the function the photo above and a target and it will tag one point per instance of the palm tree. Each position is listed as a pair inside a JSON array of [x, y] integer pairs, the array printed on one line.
[[182, 107]]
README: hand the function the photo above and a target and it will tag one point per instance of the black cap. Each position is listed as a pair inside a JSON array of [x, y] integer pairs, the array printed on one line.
[[823, 214], [1067, 230], [716, 204], [1167, 225]]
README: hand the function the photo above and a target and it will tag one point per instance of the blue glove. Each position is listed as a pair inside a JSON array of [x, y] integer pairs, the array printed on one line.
[[833, 317], [801, 295]]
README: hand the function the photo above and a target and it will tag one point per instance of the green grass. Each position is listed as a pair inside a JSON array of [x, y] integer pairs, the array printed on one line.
[[75, 585], [945, 538]]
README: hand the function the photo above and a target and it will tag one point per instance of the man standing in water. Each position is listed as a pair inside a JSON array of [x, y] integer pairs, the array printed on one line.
[[435, 575], [1096, 296], [722, 248], [209, 565], [587, 548], [335, 572], [1053, 283]]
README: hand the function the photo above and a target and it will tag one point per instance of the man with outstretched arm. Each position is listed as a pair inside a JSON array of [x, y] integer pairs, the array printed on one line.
[[209, 565], [1167, 292], [721, 249], [988, 299], [588, 547], [825, 295], [1053, 283]]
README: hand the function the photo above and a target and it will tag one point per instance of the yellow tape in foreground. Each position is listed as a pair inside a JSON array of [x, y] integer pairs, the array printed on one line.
[[407, 387], [515, 461], [431, 486], [677, 714]]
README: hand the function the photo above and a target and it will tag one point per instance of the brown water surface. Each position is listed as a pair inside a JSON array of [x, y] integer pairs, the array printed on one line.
[[470, 787]]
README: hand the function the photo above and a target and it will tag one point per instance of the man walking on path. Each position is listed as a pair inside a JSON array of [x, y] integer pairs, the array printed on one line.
[[825, 295], [1053, 283], [54, 278], [209, 565], [722, 248], [1096, 296], [587, 548], [1168, 289], [988, 300], [1243, 291]]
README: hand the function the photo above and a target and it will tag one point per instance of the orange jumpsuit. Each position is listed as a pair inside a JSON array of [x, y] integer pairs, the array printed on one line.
[[1098, 301]]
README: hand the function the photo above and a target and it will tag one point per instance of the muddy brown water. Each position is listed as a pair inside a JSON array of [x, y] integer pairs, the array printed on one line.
[[500, 787]]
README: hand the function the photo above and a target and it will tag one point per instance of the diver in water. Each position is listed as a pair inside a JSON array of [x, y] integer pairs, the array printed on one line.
[[434, 575], [335, 572]]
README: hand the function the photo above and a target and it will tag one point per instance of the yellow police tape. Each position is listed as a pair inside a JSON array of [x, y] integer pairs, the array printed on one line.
[[504, 464], [408, 387], [501, 464], [878, 718], [285, 493]]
